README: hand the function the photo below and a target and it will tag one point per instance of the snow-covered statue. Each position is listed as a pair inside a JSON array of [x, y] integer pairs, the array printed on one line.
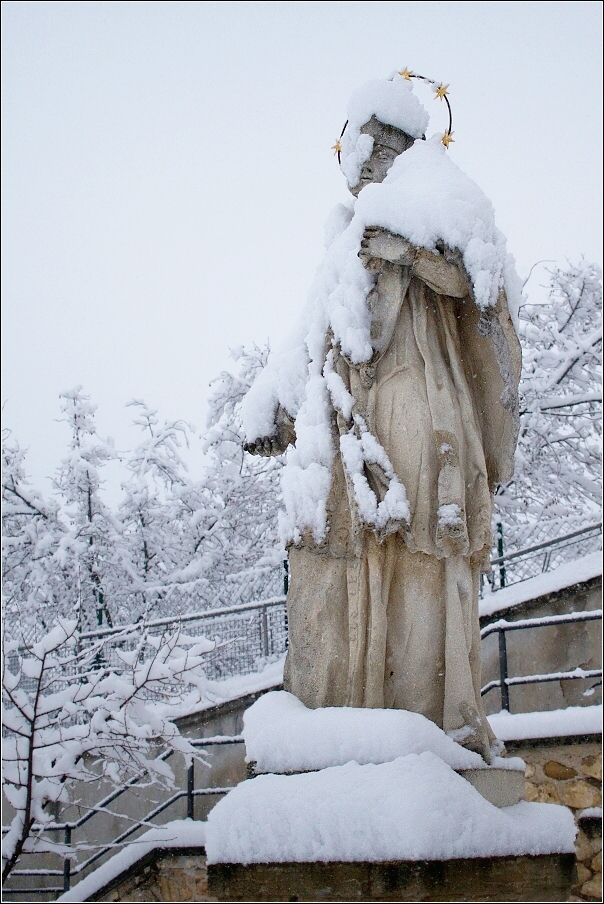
[[396, 400]]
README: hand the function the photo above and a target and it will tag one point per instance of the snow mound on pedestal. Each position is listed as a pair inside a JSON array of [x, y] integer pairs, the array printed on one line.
[[414, 808], [282, 735]]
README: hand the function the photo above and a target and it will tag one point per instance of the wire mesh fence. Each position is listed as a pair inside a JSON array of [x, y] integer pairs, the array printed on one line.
[[252, 629], [511, 567]]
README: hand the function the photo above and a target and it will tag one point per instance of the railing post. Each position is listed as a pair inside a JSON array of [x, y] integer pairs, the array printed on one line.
[[500, 553], [190, 790], [264, 631], [67, 862], [503, 671]]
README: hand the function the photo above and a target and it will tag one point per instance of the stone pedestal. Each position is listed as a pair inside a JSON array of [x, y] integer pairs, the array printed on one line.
[[501, 787], [543, 878]]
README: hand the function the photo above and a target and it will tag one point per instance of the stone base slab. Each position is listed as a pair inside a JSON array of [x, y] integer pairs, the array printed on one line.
[[501, 787], [542, 878]]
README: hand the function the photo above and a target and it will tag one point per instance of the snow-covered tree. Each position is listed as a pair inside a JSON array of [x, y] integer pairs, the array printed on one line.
[[174, 545], [166, 518], [70, 718], [92, 551], [35, 587], [557, 482], [245, 538]]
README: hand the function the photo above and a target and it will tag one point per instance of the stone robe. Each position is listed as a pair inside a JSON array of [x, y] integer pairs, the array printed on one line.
[[391, 619]]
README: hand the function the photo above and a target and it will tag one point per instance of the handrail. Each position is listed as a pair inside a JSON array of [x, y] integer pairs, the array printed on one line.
[[501, 628], [214, 741], [540, 622], [68, 827]]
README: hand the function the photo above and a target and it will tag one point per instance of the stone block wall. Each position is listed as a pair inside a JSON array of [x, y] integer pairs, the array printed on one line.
[[162, 876], [570, 774]]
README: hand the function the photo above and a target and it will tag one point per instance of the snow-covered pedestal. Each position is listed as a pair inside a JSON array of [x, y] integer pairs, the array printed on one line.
[[357, 795]]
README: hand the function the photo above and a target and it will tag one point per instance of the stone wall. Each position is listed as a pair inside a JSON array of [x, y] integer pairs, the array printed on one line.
[[570, 774], [179, 875]]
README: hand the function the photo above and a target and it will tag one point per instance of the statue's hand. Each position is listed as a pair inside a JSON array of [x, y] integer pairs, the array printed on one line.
[[277, 442], [379, 245], [265, 446]]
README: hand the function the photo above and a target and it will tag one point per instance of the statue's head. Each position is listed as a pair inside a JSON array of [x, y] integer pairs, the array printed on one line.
[[384, 119], [388, 143]]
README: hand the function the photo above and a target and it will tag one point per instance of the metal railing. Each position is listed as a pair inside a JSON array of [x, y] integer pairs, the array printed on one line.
[[249, 634], [501, 627], [69, 828], [522, 564]]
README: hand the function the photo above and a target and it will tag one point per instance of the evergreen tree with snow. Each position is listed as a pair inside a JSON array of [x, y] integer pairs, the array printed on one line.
[[91, 552], [248, 552], [164, 515]]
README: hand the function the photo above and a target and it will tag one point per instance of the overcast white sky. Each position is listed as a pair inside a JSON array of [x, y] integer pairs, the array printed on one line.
[[167, 174]]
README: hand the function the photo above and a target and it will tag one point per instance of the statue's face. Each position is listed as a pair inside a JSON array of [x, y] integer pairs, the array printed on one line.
[[375, 169], [388, 143]]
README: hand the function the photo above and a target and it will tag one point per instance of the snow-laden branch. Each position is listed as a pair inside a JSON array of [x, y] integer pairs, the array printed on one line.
[[557, 482], [69, 717]]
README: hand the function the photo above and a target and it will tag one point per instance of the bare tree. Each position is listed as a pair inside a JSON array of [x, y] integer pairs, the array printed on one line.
[[70, 716]]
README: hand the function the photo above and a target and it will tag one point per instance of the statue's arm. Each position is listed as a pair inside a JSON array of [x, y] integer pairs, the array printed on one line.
[[442, 275], [275, 444]]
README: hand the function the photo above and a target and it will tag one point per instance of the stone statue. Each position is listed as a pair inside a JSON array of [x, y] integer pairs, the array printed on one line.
[[388, 617]]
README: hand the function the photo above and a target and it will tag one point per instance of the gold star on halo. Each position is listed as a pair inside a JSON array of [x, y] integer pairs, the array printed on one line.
[[337, 147], [441, 90], [406, 73], [447, 139]]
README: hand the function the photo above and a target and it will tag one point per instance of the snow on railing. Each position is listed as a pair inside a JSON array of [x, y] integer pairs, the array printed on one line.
[[69, 828]]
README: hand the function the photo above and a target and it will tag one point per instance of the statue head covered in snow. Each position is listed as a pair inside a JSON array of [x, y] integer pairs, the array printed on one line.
[[384, 119]]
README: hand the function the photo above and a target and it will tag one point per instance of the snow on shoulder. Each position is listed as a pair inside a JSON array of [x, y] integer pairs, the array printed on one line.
[[427, 199], [282, 735]]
